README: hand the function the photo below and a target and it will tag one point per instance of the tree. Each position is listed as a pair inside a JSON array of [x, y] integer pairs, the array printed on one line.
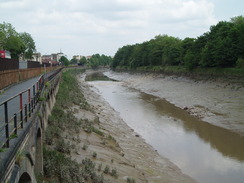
[[83, 61], [73, 61], [15, 45], [29, 45], [64, 61]]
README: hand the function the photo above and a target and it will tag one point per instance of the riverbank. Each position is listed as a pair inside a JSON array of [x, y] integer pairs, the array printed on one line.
[[89, 142], [216, 101], [132, 156]]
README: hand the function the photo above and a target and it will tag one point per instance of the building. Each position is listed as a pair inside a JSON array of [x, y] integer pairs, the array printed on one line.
[[78, 57], [37, 57], [88, 57], [46, 59], [5, 54], [52, 59]]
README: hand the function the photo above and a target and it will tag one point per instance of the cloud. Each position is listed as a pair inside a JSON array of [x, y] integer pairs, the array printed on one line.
[[114, 22]]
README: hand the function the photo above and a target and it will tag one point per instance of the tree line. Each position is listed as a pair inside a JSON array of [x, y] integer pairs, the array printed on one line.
[[221, 46], [19, 44], [94, 61]]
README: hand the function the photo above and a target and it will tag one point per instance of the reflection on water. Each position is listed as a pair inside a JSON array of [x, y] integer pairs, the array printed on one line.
[[226, 142], [205, 152]]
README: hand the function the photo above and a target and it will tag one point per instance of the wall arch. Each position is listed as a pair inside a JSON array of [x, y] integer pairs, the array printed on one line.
[[25, 178]]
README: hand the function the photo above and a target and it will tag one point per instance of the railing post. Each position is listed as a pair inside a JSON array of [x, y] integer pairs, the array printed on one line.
[[21, 110], [34, 96], [6, 123], [32, 105], [15, 124], [26, 113], [29, 102]]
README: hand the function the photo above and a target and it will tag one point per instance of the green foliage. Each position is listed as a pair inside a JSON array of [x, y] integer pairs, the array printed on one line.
[[220, 47], [17, 43], [73, 61], [59, 167], [240, 63], [85, 147], [64, 61], [83, 61], [94, 154], [28, 43], [65, 97], [13, 136], [99, 167], [106, 169], [99, 60], [114, 173], [3, 150], [130, 180]]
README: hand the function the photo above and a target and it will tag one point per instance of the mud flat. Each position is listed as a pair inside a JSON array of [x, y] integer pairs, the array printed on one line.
[[122, 150], [218, 102]]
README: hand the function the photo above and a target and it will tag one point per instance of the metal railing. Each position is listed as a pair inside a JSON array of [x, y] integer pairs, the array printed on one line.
[[18, 109]]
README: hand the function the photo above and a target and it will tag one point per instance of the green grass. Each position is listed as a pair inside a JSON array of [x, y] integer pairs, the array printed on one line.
[[58, 165]]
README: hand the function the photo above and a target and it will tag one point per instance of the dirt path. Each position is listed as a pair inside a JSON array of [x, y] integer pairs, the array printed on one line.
[[218, 102], [121, 149]]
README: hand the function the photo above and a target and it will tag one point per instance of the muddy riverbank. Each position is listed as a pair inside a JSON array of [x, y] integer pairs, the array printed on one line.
[[218, 102], [129, 154]]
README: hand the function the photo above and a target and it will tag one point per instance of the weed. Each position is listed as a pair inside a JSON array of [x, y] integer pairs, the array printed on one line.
[[85, 147], [109, 137], [97, 131], [130, 180], [13, 136], [100, 167], [62, 146], [94, 154], [106, 169], [114, 173], [3, 149], [19, 157]]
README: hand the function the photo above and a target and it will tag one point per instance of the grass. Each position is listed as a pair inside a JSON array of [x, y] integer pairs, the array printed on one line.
[[63, 125]]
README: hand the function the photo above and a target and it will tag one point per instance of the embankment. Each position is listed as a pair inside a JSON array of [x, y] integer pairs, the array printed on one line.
[[91, 143], [217, 100]]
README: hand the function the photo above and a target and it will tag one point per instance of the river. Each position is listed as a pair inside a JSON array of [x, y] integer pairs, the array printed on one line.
[[205, 152]]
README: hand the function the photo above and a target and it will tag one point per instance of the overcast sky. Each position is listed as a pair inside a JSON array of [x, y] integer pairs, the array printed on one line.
[[86, 27]]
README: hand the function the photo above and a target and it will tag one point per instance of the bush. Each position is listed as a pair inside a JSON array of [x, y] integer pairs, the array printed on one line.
[[240, 63], [106, 169]]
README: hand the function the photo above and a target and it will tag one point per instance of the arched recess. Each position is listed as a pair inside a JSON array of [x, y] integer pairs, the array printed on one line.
[[25, 178], [38, 167]]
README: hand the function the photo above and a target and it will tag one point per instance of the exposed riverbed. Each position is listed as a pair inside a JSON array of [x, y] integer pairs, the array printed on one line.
[[129, 154], [206, 152]]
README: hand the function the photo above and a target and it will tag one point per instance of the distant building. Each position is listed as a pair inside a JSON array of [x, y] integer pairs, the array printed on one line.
[[78, 57], [52, 59], [37, 57], [88, 57], [59, 55], [5, 54], [46, 59]]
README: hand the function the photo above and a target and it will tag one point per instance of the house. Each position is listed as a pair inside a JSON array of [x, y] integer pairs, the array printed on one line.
[[37, 57], [5, 54]]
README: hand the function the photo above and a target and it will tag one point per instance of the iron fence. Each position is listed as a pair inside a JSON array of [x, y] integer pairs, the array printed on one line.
[[16, 110]]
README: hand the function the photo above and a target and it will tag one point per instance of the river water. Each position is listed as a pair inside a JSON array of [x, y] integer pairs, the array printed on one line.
[[207, 153]]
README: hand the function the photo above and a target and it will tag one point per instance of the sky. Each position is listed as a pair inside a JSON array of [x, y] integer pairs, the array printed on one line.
[[86, 27]]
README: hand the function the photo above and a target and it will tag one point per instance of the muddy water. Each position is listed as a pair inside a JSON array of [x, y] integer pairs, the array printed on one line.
[[205, 152]]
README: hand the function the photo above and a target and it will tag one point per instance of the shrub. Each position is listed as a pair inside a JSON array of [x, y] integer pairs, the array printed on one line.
[[106, 169], [240, 63]]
